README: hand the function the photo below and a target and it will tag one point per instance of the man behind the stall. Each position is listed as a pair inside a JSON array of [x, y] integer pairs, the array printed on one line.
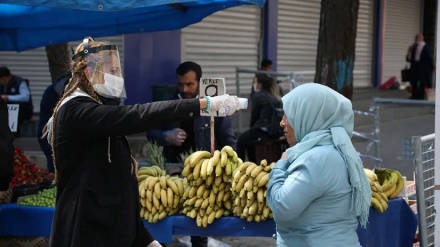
[[193, 134]]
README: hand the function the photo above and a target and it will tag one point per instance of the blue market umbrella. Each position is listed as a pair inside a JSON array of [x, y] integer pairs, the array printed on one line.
[[36, 23]]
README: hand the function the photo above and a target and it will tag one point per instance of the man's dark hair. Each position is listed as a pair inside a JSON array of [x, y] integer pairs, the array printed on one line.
[[189, 66], [265, 80], [4, 71], [265, 63]]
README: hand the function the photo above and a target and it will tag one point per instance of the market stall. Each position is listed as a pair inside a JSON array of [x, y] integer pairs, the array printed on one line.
[[394, 227]]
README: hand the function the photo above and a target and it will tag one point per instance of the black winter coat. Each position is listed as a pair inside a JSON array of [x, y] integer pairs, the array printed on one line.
[[263, 103], [97, 197]]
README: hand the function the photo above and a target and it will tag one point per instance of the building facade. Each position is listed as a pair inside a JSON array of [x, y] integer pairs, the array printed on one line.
[[285, 31]]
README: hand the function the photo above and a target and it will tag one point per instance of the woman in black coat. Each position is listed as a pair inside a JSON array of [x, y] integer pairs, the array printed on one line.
[[264, 99], [97, 194]]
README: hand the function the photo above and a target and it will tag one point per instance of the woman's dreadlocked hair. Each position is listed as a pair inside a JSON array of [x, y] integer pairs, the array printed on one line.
[[78, 80]]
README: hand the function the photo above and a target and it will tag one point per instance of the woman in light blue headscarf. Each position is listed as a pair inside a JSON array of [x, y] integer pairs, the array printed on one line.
[[318, 188]]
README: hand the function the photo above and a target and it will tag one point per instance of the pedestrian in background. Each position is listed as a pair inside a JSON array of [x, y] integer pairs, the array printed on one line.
[[419, 56]]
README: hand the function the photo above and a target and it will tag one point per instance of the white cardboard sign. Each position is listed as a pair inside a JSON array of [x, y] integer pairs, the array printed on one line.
[[211, 87], [13, 116]]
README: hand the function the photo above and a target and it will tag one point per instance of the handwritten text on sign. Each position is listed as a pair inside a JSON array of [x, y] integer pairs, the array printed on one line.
[[13, 116], [211, 87]]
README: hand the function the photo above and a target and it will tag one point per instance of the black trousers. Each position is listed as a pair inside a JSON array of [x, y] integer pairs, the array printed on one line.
[[418, 90], [197, 241], [246, 143]]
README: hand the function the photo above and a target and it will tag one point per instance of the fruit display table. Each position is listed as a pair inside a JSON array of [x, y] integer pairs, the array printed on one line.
[[395, 227]]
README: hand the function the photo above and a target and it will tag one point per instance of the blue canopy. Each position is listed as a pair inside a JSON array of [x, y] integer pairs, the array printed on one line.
[[35, 23]]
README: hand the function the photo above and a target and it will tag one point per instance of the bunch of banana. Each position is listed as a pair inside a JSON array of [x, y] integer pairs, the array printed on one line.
[[145, 172], [379, 200], [391, 181], [249, 185], [161, 196], [209, 195]]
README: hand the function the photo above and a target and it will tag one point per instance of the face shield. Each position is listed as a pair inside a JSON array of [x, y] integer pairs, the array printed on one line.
[[103, 69]]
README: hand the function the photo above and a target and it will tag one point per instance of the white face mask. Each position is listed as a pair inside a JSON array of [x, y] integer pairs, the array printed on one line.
[[113, 87], [255, 88]]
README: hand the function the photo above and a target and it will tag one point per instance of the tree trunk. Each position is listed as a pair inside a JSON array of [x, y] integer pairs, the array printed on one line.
[[336, 45], [59, 60]]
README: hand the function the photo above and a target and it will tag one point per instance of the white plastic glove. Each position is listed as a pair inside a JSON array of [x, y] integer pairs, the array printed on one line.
[[225, 104], [175, 136]]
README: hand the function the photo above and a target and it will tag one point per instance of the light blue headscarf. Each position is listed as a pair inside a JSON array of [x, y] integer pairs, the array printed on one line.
[[320, 115]]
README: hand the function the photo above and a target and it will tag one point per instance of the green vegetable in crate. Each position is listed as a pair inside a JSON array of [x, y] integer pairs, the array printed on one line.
[[45, 198]]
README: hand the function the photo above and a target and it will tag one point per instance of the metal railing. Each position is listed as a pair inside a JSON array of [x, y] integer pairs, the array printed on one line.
[[391, 116], [424, 148]]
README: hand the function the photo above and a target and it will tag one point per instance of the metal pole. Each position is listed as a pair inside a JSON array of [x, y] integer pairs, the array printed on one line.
[[240, 113], [437, 129], [420, 191], [377, 133]]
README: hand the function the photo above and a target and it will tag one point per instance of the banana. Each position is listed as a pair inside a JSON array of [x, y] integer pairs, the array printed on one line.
[[236, 175], [228, 150], [263, 163], [180, 187], [219, 213], [197, 156], [187, 170], [193, 213], [220, 196], [141, 178], [228, 169], [389, 192], [162, 215], [198, 203], [250, 218], [163, 182], [210, 179], [219, 170], [149, 205], [192, 192], [211, 217], [205, 220], [228, 205], [163, 197], [172, 184], [266, 211], [206, 193], [218, 181], [151, 182], [249, 184], [175, 201], [191, 201], [204, 168], [212, 198], [383, 196], [205, 203], [201, 190], [157, 190], [258, 177], [253, 208], [370, 174], [399, 185], [225, 177], [263, 181], [257, 218], [250, 196], [216, 157], [187, 160], [199, 220], [142, 190], [227, 195], [234, 157], [223, 158], [250, 168], [210, 165], [209, 210], [260, 207], [260, 195], [222, 186], [149, 195], [240, 183], [170, 197], [245, 212], [197, 169], [239, 161], [257, 170], [269, 167], [376, 204], [156, 201], [244, 166]]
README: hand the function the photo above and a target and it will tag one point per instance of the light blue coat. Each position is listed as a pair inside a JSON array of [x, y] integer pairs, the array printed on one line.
[[311, 200]]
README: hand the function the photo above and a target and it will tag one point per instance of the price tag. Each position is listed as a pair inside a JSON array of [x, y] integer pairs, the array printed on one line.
[[13, 116], [211, 87]]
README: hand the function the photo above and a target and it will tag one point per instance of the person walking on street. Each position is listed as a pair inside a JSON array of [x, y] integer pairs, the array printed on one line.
[[419, 56]]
